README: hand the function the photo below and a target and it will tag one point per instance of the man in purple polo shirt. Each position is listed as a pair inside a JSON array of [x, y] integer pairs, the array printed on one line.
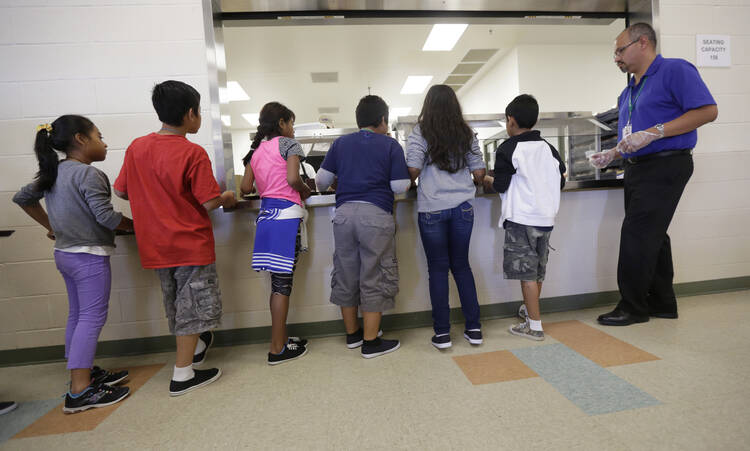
[[660, 109]]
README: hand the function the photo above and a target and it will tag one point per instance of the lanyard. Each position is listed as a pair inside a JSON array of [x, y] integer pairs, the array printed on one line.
[[631, 104]]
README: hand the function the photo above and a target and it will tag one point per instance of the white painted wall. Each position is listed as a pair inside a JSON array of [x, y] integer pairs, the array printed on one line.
[[711, 229], [100, 58], [570, 77], [561, 77], [240, 146], [493, 87]]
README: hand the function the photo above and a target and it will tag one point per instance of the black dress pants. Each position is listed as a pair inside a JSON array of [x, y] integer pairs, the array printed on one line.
[[644, 270]]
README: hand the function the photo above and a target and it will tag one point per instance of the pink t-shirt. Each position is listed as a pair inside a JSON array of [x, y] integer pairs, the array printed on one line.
[[268, 163]]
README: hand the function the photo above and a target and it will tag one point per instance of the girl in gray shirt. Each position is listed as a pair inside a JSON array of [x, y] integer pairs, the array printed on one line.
[[81, 220], [443, 152]]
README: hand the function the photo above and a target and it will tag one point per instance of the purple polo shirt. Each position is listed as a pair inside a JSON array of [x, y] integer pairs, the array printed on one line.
[[669, 88]]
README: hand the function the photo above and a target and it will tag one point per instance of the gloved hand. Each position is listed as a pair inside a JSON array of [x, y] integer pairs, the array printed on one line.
[[602, 159], [636, 141]]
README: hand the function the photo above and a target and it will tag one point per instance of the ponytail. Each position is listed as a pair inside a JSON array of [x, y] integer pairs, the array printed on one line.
[[262, 131], [60, 135], [268, 125], [47, 158]]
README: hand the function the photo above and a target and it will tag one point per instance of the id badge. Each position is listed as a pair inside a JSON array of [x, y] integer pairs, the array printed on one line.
[[627, 130]]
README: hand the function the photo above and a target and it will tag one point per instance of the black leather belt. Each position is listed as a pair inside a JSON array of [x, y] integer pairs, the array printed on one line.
[[663, 153]]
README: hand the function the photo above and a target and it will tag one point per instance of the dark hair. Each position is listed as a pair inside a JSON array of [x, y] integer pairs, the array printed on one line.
[[268, 125], [524, 110], [639, 29], [173, 99], [370, 111], [448, 135], [61, 138]]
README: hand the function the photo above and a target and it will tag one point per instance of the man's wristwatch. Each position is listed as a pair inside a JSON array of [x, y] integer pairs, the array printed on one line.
[[660, 129]]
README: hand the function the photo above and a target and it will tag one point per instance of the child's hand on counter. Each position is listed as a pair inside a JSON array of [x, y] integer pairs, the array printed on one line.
[[305, 193], [487, 184], [228, 199]]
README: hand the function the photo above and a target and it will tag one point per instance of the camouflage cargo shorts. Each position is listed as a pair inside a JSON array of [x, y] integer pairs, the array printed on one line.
[[525, 252], [192, 300]]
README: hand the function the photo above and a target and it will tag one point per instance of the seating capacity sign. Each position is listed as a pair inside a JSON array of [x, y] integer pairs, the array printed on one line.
[[713, 50]]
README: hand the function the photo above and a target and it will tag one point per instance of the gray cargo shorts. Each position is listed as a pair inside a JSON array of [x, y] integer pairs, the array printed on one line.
[[525, 252], [192, 299], [365, 269]]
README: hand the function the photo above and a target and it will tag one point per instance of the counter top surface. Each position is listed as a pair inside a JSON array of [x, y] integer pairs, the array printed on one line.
[[327, 199]]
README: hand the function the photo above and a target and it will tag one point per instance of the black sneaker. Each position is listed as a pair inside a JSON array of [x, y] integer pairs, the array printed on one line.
[[442, 341], [355, 340], [378, 347], [95, 396], [208, 338], [101, 376], [201, 379], [291, 351], [474, 336], [7, 406], [297, 341]]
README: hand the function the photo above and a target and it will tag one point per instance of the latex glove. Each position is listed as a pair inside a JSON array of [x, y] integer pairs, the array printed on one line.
[[636, 141], [602, 159]]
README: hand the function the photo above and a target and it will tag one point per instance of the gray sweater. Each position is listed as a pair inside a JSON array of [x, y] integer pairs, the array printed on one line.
[[78, 205], [438, 189]]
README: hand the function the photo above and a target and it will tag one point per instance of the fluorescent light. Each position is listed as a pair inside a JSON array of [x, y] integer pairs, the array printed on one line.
[[443, 37], [397, 112], [251, 118], [234, 92], [416, 84], [227, 120]]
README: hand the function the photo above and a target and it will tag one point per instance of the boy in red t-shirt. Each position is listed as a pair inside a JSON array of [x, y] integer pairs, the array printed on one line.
[[171, 188]]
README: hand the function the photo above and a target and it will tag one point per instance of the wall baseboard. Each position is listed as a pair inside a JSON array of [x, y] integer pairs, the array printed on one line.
[[250, 335]]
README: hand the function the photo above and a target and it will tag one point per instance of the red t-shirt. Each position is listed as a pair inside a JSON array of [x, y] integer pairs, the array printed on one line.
[[167, 179]]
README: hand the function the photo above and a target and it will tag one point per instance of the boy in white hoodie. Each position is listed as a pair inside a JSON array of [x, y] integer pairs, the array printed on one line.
[[529, 175]]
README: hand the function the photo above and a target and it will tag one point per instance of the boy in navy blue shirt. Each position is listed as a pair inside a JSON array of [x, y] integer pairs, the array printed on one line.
[[369, 166]]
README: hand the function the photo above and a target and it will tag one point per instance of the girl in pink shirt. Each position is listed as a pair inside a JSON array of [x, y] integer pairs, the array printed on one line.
[[272, 165]]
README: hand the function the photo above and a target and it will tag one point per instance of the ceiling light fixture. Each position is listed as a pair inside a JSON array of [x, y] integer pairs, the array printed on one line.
[[443, 37], [416, 84], [234, 92], [251, 118], [226, 119]]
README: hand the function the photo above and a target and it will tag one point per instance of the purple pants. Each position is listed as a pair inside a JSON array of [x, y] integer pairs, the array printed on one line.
[[88, 279]]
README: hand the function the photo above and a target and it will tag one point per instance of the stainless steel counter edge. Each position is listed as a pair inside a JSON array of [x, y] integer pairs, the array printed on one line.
[[328, 200]]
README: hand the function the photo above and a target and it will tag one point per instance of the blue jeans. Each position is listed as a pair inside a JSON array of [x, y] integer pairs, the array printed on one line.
[[445, 237]]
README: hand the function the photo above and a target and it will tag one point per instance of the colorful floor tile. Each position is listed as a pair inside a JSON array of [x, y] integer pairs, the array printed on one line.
[[491, 367], [56, 422], [595, 345], [592, 388]]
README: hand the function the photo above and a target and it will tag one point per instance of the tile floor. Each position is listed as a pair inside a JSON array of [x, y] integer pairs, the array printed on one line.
[[662, 385]]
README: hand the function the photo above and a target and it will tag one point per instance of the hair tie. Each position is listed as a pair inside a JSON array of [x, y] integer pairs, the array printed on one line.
[[47, 127]]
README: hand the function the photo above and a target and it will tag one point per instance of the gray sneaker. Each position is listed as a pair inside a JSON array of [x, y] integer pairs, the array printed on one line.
[[523, 330], [523, 314]]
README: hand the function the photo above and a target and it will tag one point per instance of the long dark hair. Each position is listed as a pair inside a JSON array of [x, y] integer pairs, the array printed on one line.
[[268, 125], [448, 135], [61, 138]]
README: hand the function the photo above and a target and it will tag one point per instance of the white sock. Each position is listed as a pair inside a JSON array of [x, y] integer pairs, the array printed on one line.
[[200, 347], [535, 324], [183, 374]]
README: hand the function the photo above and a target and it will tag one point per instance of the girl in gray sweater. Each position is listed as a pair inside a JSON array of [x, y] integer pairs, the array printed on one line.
[[81, 221]]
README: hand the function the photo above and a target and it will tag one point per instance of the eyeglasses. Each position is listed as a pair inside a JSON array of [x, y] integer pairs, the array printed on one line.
[[619, 51]]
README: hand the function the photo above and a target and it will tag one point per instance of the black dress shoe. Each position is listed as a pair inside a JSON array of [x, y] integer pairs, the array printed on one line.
[[618, 317]]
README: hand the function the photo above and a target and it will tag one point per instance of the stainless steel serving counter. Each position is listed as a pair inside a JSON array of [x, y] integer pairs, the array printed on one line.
[[329, 199]]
